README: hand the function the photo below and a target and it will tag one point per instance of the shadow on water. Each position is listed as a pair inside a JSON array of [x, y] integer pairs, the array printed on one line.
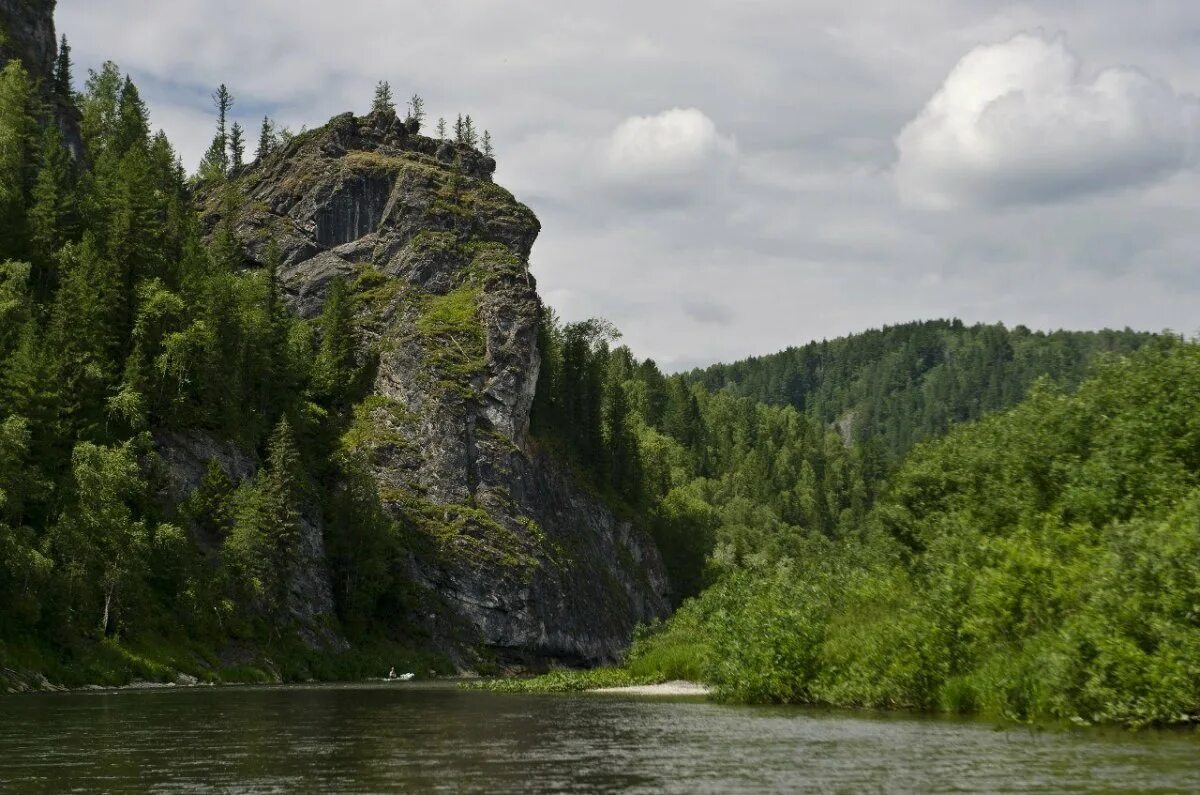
[[420, 737]]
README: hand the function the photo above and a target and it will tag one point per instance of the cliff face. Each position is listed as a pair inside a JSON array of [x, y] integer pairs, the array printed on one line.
[[27, 34], [522, 560]]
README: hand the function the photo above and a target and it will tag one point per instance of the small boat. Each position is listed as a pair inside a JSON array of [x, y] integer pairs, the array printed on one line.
[[398, 678]]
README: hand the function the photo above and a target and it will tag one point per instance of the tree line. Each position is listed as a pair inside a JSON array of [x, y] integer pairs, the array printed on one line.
[[120, 326]]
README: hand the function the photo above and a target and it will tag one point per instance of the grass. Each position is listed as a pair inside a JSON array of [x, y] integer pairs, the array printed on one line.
[[114, 663], [454, 336], [377, 423], [567, 681]]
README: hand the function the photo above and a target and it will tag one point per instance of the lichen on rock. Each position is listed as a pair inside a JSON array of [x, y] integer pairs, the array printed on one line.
[[526, 562]]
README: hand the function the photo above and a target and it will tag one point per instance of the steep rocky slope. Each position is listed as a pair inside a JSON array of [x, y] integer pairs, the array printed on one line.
[[27, 34], [513, 554]]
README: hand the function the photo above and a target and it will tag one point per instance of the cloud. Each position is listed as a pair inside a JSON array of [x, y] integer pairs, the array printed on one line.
[[786, 214], [1021, 123], [666, 146], [708, 312]]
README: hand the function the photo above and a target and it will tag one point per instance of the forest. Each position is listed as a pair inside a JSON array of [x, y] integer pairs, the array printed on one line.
[[119, 325], [933, 515]]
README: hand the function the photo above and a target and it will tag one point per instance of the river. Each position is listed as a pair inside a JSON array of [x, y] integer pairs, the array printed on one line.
[[429, 738]]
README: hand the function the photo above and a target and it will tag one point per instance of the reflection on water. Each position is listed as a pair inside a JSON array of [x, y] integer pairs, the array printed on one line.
[[413, 737]]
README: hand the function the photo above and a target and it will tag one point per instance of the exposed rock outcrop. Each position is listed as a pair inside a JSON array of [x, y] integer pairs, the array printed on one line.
[[27, 34], [523, 559]]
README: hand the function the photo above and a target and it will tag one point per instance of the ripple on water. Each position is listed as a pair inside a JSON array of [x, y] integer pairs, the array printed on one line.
[[387, 738]]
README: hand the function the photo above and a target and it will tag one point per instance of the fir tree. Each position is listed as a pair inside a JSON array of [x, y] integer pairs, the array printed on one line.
[[63, 79], [216, 160], [237, 146], [17, 162], [441, 129], [267, 138], [335, 369], [52, 216], [383, 102], [487, 144], [133, 121], [470, 138]]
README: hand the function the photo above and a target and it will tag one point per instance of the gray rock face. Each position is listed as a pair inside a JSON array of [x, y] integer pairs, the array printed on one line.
[[27, 34], [523, 560]]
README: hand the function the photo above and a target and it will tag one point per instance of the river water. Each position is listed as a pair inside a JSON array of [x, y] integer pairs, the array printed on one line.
[[430, 738]]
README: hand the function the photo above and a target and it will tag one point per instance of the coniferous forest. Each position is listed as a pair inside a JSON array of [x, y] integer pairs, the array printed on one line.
[[934, 515]]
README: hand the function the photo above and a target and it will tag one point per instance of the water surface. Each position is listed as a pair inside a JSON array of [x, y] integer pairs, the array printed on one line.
[[430, 738]]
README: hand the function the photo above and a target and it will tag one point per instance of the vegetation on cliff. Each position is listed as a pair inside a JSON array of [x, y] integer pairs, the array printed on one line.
[[121, 327]]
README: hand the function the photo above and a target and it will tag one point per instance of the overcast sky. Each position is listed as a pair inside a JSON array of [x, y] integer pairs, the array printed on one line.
[[728, 178]]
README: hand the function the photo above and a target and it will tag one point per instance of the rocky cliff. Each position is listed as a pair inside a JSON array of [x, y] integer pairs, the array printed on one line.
[[27, 34], [519, 560]]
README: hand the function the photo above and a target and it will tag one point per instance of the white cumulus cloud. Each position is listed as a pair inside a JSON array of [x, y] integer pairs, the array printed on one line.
[[1021, 122], [671, 144]]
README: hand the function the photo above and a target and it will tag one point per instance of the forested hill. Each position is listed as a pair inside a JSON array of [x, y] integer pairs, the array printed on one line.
[[901, 384], [270, 418]]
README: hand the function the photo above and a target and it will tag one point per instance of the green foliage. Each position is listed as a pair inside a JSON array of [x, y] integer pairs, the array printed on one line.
[[18, 133], [566, 681], [1036, 565], [383, 102], [454, 335], [901, 384]]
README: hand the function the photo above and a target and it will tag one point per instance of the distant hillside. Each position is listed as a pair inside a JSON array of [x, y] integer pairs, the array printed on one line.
[[901, 384]]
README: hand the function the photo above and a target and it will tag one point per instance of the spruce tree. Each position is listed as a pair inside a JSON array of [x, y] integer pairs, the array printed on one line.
[[17, 161], [383, 102], [469, 136], [133, 121], [52, 217], [237, 146], [63, 78], [458, 130], [441, 129], [266, 138], [216, 160], [335, 369], [487, 144]]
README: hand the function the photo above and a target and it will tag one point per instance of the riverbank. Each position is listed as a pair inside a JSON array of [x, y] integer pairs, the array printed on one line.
[[677, 687], [156, 662]]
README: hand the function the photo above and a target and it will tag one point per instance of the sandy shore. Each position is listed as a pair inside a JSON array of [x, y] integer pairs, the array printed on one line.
[[676, 688]]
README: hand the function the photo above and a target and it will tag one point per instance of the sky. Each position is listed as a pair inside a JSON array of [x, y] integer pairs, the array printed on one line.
[[723, 179]]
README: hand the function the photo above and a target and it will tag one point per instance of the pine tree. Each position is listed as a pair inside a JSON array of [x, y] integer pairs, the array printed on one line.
[[458, 130], [441, 129], [63, 78], [267, 139], [383, 102], [237, 146], [487, 144]]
